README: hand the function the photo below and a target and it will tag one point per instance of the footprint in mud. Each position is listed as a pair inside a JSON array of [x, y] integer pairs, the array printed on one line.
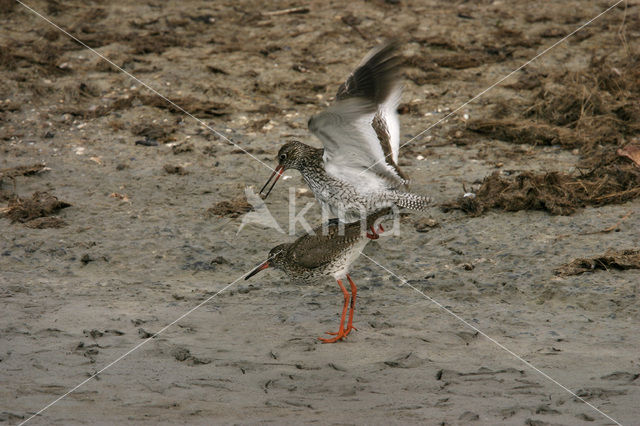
[[95, 333], [409, 360], [622, 376]]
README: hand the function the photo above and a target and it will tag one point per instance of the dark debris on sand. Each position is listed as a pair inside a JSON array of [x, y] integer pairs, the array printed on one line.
[[45, 222], [595, 111], [34, 212], [233, 208], [173, 169], [557, 193], [197, 107], [153, 132], [526, 131], [612, 259], [13, 172]]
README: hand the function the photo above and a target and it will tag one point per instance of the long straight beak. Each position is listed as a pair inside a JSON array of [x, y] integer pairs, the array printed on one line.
[[278, 171], [265, 265]]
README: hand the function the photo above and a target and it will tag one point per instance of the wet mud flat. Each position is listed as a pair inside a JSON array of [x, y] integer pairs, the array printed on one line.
[[120, 213]]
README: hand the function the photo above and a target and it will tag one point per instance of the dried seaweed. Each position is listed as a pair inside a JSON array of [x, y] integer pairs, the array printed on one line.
[[13, 172], [202, 108], [525, 131], [80, 109], [195, 106], [594, 111], [181, 148], [40, 205], [612, 259], [459, 61], [43, 58], [557, 193], [175, 170], [233, 208], [441, 41], [156, 132], [45, 222], [7, 6]]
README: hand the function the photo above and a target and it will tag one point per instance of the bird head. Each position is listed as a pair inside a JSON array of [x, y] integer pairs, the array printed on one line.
[[290, 156], [275, 260]]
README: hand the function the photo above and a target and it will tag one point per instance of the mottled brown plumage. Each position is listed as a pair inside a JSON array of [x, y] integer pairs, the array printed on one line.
[[330, 250]]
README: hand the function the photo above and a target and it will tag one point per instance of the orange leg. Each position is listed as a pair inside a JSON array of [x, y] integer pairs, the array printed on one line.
[[373, 235], [354, 291], [340, 334]]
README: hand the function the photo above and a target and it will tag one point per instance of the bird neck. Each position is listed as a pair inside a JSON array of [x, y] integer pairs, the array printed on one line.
[[312, 161]]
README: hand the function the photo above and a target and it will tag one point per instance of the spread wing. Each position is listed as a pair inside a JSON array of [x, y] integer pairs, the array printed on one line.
[[360, 131], [352, 151], [387, 127]]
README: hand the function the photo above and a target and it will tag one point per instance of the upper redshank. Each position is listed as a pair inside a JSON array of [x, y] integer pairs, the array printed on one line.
[[357, 172], [325, 253]]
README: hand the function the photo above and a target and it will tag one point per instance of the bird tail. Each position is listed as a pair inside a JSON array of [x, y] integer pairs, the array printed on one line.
[[412, 201]]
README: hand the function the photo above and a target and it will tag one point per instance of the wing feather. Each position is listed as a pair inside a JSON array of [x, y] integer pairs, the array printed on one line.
[[351, 145], [375, 76], [387, 127], [310, 251], [361, 131]]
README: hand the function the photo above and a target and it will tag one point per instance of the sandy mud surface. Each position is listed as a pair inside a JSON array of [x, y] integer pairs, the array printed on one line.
[[112, 228]]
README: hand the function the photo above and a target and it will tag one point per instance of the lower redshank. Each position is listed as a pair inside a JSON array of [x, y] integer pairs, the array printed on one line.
[[327, 251]]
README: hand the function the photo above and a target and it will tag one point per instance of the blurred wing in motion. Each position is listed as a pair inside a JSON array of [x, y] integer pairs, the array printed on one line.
[[360, 131]]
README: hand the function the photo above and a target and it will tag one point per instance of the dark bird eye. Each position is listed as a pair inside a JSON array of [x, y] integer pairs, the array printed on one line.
[[283, 156]]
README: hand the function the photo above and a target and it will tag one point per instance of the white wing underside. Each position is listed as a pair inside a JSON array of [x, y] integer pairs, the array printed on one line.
[[389, 113], [352, 150]]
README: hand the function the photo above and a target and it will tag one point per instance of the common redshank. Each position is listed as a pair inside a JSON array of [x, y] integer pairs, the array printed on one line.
[[320, 254], [357, 172]]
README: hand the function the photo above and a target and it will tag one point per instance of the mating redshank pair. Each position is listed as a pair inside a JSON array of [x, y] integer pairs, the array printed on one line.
[[356, 175]]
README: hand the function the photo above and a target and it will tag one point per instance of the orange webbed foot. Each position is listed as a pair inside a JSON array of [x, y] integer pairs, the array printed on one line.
[[339, 336], [345, 333]]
